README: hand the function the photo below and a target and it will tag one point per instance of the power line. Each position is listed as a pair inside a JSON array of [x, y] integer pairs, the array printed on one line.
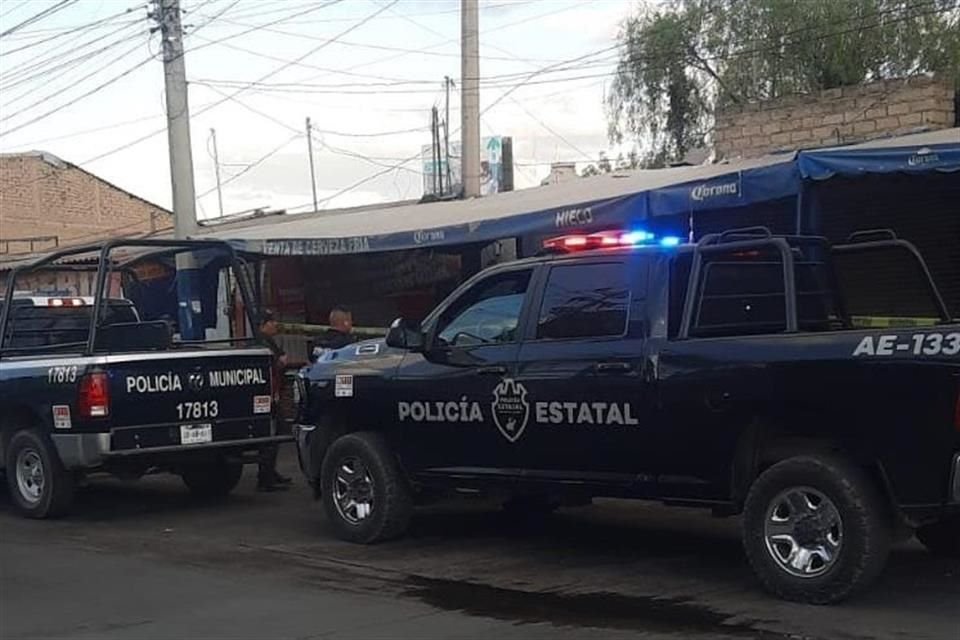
[[217, 103], [40, 67], [252, 165], [13, 8], [46, 13], [261, 27], [96, 71], [82, 27], [327, 70], [551, 129], [63, 106]]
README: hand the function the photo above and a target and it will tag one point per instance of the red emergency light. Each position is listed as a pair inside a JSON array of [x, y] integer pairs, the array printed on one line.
[[604, 239], [65, 302]]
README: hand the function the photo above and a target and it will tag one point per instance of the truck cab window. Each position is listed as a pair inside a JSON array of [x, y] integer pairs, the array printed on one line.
[[487, 313], [584, 301]]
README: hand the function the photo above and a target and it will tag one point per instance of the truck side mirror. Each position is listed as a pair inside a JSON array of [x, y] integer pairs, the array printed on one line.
[[405, 334]]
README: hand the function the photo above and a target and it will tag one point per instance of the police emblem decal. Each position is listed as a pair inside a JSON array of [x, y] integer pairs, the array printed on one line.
[[195, 381], [510, 408]]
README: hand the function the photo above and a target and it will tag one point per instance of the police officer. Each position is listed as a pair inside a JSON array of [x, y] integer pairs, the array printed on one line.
[[340, 333], [268, 479]]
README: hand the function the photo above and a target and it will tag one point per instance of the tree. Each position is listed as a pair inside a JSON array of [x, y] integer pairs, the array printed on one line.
[[603, 165], [679, 64]]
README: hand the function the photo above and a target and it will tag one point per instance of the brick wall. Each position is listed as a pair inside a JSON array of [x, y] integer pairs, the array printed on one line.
[[41, 195], [835, 116]]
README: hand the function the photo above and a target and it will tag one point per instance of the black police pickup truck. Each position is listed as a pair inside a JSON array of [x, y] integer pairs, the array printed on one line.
[[733, 374], [88, 384]]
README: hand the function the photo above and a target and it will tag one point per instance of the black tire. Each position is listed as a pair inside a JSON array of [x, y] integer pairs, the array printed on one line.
[[212, 480], [864, 520], [54, 484], [942, 538], [386, 499]]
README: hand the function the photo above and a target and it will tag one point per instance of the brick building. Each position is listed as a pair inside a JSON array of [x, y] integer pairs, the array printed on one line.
[[836, 116], [46, 202]]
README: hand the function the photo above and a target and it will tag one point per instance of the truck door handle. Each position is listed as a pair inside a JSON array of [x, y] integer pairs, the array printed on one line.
[[495, 370], [613, 367]]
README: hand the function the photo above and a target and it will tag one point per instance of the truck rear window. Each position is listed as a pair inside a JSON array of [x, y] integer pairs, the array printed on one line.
[[32, 326]]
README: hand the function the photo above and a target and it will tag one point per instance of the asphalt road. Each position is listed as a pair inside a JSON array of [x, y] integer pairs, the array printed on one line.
[[144, 560]]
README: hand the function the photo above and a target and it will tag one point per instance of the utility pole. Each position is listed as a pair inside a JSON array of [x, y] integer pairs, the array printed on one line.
[[447, 84], [189, 302], [167, 14], [435, 151], [216, 168], [313, 177], [470, 96]]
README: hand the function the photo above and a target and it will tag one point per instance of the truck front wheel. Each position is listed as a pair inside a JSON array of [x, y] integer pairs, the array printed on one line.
[[942, 538], [365, 494], [40, 486], [213, 480], [816, 529]]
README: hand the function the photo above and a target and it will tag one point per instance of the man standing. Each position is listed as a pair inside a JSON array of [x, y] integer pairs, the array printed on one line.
[[340, 333], [268, 479]]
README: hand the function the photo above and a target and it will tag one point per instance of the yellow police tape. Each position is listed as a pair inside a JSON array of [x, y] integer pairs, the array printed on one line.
[[875, 322]]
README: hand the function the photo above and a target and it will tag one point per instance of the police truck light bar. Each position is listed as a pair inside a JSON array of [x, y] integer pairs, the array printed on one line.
[[65, 302], [606, 239]]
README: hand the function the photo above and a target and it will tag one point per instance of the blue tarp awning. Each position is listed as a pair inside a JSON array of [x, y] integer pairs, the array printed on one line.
[[923, 154], [601, 202]]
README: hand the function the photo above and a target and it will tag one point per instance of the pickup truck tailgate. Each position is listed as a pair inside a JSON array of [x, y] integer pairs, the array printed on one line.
[[189, 398]]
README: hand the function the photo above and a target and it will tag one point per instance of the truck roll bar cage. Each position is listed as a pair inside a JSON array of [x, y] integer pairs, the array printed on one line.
[[753, 238], [104, 265]]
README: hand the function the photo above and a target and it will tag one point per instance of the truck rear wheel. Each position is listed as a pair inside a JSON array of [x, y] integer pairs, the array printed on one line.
[[40, 486], [816, 529], [942, 538], [213, 480], [365, 495]]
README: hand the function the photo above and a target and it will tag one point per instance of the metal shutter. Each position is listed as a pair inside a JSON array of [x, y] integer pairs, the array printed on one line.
[[923, 209]]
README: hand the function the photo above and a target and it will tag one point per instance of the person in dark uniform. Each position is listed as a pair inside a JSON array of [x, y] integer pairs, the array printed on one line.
[[340, 333], [268, 479]]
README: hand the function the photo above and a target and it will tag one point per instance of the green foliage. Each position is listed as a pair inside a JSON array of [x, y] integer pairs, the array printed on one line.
[[682, 61], [604, 165]]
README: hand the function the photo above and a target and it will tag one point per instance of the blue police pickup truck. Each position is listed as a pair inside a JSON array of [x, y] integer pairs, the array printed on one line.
[[89, 384], [780, 378]]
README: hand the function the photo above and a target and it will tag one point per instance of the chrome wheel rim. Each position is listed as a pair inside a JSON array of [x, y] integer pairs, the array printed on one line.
[[30, 480], [804, 532], [353, 490]]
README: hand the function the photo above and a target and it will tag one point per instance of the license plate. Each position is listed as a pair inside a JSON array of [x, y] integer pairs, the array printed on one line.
[[196, 433], [261, 404]]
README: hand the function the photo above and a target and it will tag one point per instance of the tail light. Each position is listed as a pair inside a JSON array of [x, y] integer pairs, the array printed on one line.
[[93, 400]]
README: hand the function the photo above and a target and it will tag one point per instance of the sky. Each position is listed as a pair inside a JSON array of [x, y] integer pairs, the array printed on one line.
[[366, 72]]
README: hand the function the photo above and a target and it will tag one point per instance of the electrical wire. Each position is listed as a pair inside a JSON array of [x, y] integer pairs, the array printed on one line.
[[39, 67], [46, 13], [226, 98], [252, 165], [13, 8], [552, 130], [73, 101], [82, 27], [58, 92], [326, 70], [262, 27]]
